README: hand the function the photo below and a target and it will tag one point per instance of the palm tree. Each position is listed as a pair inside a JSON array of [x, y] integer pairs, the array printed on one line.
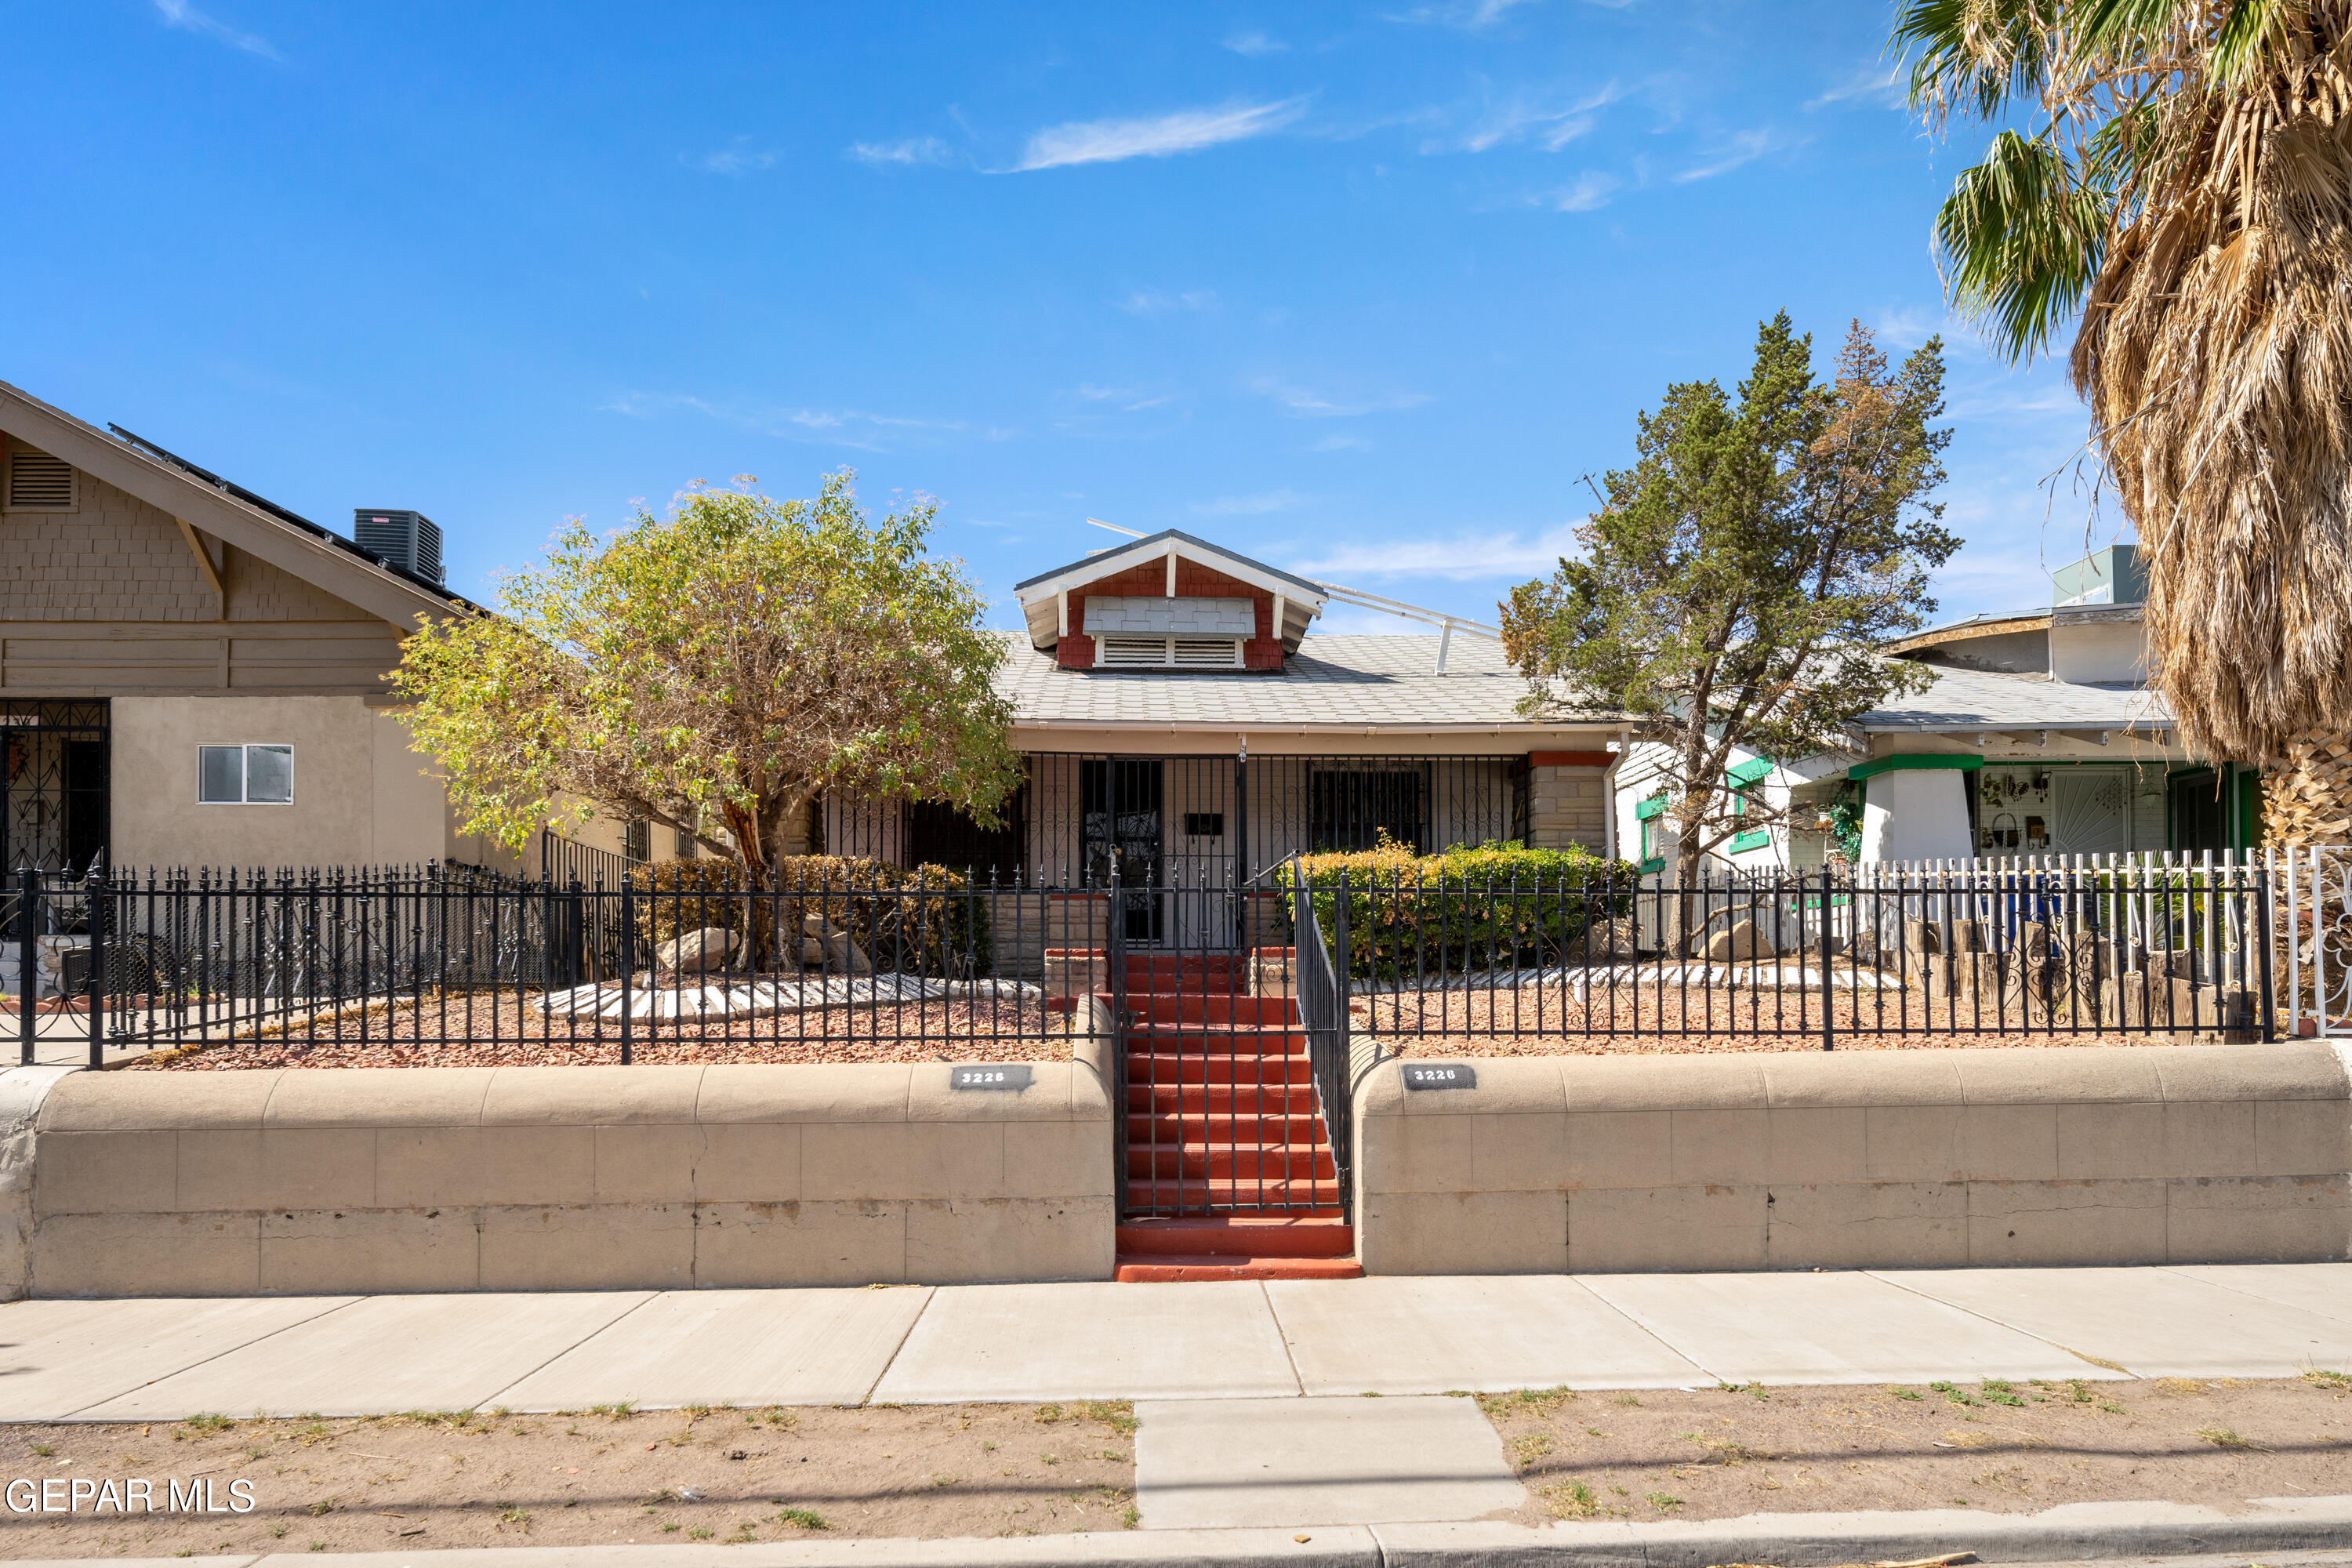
[[2176, 176]]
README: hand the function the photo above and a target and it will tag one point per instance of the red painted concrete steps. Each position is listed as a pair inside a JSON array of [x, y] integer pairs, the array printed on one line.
[[1221, 1111]]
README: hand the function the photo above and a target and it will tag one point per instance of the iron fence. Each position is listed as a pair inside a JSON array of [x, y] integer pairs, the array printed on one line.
[[1971, 948], [402, 963]]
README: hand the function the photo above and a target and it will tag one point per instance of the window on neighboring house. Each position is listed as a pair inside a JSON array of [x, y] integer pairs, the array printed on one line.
[[637, 839], [39, 482], [1744, 781], [682, 844], [1647, 812], [244, 775]]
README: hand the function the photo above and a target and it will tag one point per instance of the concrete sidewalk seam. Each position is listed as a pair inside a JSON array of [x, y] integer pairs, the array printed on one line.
[[324, 1313], [1658, 1339], [1999, 1324], [529, 1372], [930, 1294], [1282, 1332]]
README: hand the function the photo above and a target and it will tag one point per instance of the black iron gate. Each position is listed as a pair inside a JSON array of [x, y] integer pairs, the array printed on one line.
[[52, 785]]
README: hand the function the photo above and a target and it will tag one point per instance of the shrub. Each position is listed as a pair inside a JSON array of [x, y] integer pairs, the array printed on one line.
[[914, 920], [1495, 905]]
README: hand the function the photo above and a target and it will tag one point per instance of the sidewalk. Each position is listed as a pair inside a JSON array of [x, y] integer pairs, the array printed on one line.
[[141, 1360], [1253, 1440]]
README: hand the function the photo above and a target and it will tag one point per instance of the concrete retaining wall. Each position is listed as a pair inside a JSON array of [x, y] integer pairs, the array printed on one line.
[[1886, 1159], [202, 1184]]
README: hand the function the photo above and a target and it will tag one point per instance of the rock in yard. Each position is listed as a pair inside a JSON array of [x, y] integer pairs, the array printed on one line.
[[828, 946], [1607, 939], [696, 952], [1741, 942]]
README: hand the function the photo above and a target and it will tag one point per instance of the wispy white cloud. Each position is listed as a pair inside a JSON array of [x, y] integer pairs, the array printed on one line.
[[1877, 85], [852, 428], [1308, 404], [1130, 399], [1164, 136], [1159, 301], [1543, 122], [1336, 443], [1254, 44], [1743, 147], [914, 150], [1460, 558], [1905, 328], [1470, 15], [1589, 190], [1258, 505], [180, 13], [742, 158]]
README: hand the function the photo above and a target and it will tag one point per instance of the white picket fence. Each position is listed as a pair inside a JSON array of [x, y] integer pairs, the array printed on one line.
[[2146, 899]]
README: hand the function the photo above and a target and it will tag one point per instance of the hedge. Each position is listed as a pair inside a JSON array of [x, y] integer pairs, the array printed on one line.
[[1496, 905], [918, 921]]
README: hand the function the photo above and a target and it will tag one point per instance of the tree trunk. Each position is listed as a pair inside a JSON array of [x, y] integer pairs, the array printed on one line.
[[2309, 800]]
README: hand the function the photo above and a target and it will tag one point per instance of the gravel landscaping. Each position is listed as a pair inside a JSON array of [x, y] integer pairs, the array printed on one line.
[[460, 1030]]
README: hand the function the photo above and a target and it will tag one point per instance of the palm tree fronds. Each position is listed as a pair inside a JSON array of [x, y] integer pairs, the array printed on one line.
[[2022, 235]]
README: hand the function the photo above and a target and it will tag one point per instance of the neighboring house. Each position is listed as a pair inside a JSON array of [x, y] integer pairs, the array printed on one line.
[[1180, 719], [2040, 736], [192, 676]]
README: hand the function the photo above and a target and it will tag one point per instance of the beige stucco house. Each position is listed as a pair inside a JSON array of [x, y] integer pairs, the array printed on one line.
[[190, 677]]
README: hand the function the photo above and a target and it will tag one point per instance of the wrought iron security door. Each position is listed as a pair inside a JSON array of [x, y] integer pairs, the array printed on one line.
[[52, 785]]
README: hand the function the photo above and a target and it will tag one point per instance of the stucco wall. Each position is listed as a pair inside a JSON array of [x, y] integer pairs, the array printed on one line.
[[2098, 652], [360, 797], [564, 1179], [1916, 813], [1893, 1159]]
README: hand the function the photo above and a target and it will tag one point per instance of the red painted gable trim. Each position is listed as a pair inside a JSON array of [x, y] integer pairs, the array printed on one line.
[[1261, 652], [1570, 759]]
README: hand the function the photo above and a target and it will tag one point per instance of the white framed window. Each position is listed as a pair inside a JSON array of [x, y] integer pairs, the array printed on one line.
[[39, 482], [244, 775]]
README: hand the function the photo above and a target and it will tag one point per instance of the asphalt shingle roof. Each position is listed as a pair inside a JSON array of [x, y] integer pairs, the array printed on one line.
[[1350, 682], [1965, 697], [1345, 682]]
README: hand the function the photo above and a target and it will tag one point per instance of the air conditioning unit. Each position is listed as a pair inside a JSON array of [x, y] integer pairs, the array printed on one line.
[[408, 540]]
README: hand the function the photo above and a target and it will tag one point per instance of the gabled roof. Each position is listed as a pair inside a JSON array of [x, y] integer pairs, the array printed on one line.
[[1343, 684], [309, 552], [1137, 552], [1970, 698]]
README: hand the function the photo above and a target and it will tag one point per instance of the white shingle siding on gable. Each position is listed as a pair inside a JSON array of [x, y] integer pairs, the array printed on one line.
[[1172, 617]]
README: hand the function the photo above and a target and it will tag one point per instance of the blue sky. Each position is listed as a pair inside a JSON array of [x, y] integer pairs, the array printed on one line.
[[1362, 290]]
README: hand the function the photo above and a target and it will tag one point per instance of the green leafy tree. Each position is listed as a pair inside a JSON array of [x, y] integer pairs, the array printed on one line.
[[717, 668], [1738, 580], [2175, 176]]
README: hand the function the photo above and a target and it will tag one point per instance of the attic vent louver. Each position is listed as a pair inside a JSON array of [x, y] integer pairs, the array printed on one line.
[[409, 539], [39, 483], [1219, 653], [1112, 651], [1158, 653]]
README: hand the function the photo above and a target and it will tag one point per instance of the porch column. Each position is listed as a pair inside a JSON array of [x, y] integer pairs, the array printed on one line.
[[1568, 800], [1917, 812]]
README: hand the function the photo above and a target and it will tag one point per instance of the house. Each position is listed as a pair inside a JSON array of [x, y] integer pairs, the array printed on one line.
[[2039, 736], [191, 676], [1182, 721]]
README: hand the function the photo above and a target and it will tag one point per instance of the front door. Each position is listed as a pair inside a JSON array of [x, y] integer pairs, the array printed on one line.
[[1119, 824], [52, 785]]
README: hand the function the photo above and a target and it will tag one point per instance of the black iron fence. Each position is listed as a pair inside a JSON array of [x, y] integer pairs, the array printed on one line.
[[1812, 957], [402, 963]]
